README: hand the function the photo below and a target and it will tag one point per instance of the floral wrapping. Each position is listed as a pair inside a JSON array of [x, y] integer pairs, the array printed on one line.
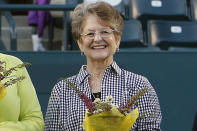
[[3, 91], [110, 121]]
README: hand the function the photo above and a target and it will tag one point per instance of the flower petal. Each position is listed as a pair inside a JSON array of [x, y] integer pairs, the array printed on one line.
[[3, 91]]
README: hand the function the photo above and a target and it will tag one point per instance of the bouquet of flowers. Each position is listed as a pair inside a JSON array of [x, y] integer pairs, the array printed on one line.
[[7, 74], [105, 116]]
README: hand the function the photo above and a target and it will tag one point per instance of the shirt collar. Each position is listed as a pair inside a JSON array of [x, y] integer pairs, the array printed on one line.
[[116, 68], [83, 72]]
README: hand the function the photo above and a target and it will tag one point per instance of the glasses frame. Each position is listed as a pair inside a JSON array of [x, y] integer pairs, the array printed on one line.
[[97, 33]]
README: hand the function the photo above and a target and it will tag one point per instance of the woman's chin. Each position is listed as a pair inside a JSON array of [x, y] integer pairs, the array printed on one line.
[[99, 57], [101, 54]]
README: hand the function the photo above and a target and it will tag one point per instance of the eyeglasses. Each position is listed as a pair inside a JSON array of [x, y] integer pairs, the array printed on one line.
[[103, 34]]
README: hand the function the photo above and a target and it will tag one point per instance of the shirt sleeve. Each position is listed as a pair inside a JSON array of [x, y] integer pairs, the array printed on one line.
[[150, 111], [52, 115], [30, 118]]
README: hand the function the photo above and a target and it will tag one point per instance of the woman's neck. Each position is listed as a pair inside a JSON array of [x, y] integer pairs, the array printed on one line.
[[96, 71], [97, 68]]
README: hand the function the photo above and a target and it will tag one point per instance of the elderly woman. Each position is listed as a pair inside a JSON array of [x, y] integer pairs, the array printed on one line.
[[97, 28]]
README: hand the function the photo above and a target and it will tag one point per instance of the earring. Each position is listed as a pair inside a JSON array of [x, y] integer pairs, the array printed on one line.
[[82, 53], [117, 49]]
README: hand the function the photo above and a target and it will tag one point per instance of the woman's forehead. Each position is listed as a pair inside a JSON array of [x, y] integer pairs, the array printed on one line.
[[93, 22]]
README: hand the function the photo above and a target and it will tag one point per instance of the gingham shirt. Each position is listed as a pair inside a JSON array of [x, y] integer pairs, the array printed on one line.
[[66, 110]]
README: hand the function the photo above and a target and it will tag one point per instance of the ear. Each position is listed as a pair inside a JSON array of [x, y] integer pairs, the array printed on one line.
[[118, 39], [79, 42]]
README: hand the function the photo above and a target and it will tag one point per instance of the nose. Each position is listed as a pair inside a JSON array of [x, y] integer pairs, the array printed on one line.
[[97, 37]]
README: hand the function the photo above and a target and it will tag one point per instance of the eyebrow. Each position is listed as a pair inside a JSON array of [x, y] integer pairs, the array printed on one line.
[[91, 30], [99, 29]]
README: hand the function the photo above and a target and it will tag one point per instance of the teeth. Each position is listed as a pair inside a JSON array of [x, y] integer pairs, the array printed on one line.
[[99, 47]]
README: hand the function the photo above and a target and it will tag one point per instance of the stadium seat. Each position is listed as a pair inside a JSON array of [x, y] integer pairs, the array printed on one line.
[[182, 49], [132, 35], [165, 34], [145, 10], [141, 49]]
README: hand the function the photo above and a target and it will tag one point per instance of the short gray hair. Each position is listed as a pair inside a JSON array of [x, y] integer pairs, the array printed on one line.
[[108, 14]]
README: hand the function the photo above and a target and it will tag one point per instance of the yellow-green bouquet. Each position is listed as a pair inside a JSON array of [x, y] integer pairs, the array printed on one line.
[[6, 74], [105, 116]]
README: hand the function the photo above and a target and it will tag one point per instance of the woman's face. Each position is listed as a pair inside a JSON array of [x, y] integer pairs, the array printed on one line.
[[98, 42]]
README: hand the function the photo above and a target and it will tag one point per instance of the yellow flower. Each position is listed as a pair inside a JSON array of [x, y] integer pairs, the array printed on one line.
[[110, 121], [2, 91]]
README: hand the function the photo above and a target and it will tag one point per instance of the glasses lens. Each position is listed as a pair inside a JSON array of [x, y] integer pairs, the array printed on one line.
[[103, 34], [90, 35]]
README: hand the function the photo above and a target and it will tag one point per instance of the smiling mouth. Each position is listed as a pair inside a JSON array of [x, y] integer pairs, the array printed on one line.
[[99, 47]]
